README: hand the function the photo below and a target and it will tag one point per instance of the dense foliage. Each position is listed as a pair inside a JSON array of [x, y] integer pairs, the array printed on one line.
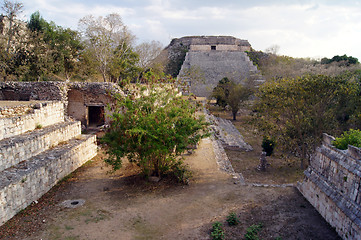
[[268, 145], [217, 232], [296, 111], [153, 127], [221, 92], [344, 59], [39, 50], [351, 137], [229, 93]]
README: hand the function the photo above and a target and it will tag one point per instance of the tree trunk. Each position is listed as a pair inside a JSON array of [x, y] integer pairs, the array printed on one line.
[[234, 115], [302, 164], [303, 156]]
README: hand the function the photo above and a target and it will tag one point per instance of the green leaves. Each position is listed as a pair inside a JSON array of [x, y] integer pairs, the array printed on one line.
[[152, 126], [351, 137], [229, 93], [296, 111]]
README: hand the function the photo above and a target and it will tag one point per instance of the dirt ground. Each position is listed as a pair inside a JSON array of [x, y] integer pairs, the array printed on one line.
[[124, 206]]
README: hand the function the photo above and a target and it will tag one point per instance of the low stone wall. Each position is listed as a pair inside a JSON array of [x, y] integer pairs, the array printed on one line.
[[29, 180], [20, 148], [43, 114], [332, 185]]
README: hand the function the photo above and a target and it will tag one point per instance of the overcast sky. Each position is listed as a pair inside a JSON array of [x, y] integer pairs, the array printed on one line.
[[302, 28]]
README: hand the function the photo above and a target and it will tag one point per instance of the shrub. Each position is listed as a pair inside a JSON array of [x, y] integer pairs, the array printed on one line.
[[232, 219], [252, 232], [268, 145], [351, 137], [153, 127], [217, 232]]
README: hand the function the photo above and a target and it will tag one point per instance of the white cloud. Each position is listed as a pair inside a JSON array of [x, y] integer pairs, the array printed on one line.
[[301, 28]]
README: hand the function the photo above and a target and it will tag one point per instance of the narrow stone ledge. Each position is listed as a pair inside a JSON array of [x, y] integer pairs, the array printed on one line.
[[22, 147], [29, 180]]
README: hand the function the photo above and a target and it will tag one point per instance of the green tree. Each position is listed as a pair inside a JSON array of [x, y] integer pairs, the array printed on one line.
[[229, 93], [152, 127], [123, 66], [51, 50], [296, 111], [344, 59], [221, 92], [238, 94], [39, 61], [66, 49]]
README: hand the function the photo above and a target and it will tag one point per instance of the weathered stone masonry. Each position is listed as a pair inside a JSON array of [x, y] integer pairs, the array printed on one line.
[[39, 143], [37, 148], [86, 102], [211, 58], [332, 185]]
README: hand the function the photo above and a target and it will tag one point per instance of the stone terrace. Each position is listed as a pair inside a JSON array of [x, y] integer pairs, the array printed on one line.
[[332, 185], [38, 147], [227, 134]]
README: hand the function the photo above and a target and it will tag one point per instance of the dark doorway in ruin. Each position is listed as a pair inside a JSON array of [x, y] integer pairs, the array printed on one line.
[[213, 47], [96, 115]]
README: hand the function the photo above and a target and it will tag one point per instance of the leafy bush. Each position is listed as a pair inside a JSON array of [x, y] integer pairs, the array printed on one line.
[[351, 137], [268, 145], [252, 232], [217, 232], [153, 127], [232, 219]]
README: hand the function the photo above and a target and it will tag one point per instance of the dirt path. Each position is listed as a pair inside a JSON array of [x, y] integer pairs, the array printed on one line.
[[122, 206]]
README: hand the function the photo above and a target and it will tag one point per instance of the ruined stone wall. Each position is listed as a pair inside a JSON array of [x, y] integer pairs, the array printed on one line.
[[83, 95], [332, 185], [43, 114], [75, 96], [27, 182], [34, 158], [25, 91]]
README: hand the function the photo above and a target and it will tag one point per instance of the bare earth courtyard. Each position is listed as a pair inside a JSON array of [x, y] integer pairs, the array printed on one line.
[[123, 206]]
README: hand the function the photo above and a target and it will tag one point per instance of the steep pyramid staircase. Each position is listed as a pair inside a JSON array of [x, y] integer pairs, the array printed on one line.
[[38, 147]]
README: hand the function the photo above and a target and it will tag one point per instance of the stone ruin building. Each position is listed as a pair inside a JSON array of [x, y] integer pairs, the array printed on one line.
[[41, 138], [202, 61], [86, 102], [332, 184]]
